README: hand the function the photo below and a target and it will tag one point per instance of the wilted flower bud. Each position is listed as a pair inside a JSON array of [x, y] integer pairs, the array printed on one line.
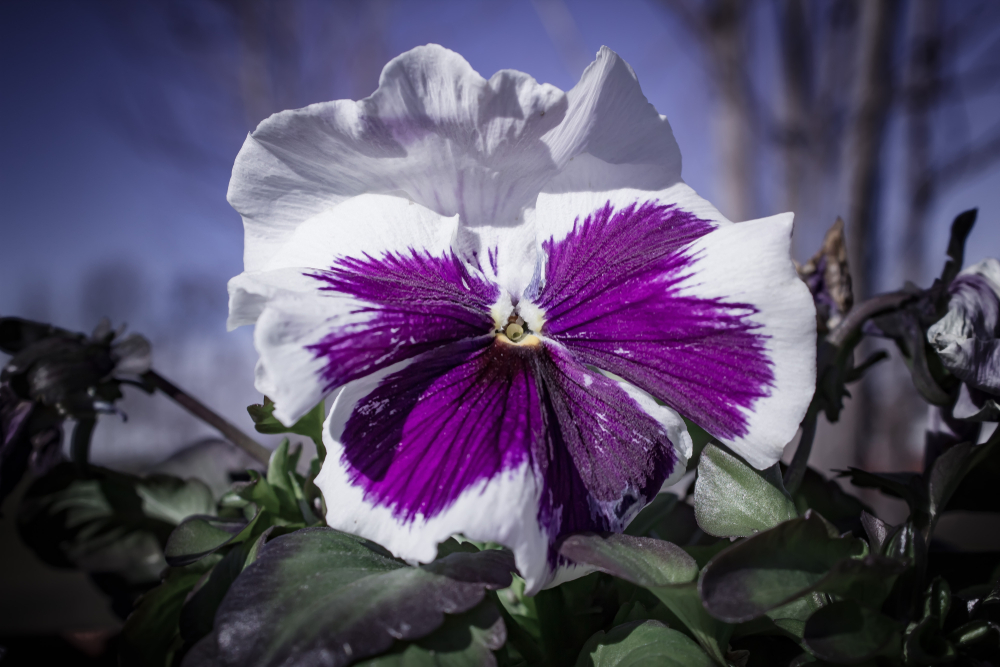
[[966, 337], [71, 372], [56, 374], [829, 279]]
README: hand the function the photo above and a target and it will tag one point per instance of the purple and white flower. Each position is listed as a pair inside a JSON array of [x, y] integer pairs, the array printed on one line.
[[513, 296], [967, 339]]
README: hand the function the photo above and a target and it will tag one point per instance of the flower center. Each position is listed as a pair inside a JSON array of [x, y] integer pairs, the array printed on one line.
[[516, 331], [517, 322]]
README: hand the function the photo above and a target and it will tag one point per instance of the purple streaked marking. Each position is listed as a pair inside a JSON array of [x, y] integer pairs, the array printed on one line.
[[611, 296], [468, 412], [451, 418], [417, 302], [611, 457]]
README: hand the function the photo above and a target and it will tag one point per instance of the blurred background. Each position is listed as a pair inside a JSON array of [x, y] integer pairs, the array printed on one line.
[[122, 119]]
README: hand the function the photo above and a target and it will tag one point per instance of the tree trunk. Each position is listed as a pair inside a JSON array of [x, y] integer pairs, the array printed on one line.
[[863, 161], [922, 89], [734, 122], [797, 126]]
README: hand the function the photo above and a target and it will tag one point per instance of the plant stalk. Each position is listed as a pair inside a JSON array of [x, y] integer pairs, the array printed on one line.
[[209, 416], [79, 446], [797, 469], [860, 314]]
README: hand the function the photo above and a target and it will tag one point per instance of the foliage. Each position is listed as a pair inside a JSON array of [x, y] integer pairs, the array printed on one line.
[[772, 567]]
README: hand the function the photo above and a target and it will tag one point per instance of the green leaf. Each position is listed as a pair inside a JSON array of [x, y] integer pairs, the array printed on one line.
[[925, 645], [951, 468], [829, 500], [876, 530], [318, 594], [981, 633], [281, 478], [570, 613], [521, 619], [640, 560], [287, 485], [198, 612], [777, 566], [463, 640], [642, 643], [976, 492], [281, 466], [102, 521], [652, 515], [675, 523], [901, 542], [172, 499], [258, 490], [937, 600], [310, 425], [150, 637], [731, 499], [847, 633], [792, 617], [906, 485], [685, 603], [200, 536], [867, 580]]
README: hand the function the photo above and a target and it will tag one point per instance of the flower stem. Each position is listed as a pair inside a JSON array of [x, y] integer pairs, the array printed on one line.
[[797, 469], [876, 305], [210, 417], [79, 446]]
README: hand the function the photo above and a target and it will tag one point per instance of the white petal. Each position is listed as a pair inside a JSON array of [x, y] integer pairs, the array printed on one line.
[[612, 136], [750, 263], [434, 131], [556, 214]]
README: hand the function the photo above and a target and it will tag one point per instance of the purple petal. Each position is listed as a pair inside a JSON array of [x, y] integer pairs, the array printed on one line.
[[418, 302], [469, 412], [607, 457], [456, 416], [613, 296]]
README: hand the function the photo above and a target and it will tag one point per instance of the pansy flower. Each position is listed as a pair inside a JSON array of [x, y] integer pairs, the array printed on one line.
[[514, 298], [967, 339]]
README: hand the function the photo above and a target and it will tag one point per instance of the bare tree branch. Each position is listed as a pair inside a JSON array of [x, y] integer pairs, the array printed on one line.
[[720, 27]]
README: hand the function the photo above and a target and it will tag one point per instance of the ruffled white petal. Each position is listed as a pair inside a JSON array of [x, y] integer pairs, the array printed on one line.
[[438, 133], [435, 131], [612, 136]]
